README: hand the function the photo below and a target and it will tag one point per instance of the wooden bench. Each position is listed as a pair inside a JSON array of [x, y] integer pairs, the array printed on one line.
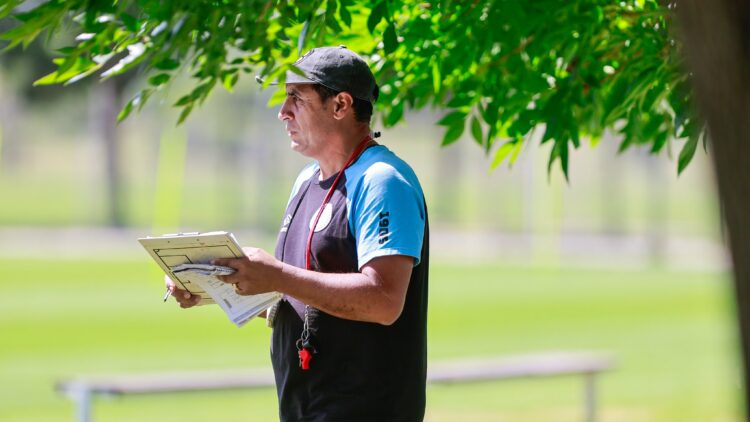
[[588, 365]]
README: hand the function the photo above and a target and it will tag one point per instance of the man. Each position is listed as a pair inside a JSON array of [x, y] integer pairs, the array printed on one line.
[[349, 337]]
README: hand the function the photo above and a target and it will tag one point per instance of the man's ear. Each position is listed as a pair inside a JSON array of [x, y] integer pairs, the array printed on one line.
[[343, 104]]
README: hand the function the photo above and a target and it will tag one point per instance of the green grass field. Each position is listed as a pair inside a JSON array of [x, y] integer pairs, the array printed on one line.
[[671, 333]]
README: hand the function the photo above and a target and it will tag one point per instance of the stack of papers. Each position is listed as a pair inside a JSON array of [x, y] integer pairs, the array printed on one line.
[[184, 258], [239, 309]]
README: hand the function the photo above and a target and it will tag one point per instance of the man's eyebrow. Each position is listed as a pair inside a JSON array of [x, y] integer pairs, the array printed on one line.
[[292, 91]]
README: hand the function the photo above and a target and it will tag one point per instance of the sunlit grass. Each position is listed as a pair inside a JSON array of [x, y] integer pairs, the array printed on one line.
[[671, 334]]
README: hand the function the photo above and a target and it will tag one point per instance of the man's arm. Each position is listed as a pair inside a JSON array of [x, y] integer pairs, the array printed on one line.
[[375, 294]]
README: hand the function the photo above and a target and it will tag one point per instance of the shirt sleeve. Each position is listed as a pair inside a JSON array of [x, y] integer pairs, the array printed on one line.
[[388, 216]]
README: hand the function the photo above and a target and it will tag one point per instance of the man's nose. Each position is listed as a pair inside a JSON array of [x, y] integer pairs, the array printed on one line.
[[284, 113]]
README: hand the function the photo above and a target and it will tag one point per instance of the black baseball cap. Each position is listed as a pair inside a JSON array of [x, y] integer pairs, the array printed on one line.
[[336, 68]]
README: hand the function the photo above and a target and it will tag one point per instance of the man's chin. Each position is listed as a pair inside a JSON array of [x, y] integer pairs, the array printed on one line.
[[297, 147]]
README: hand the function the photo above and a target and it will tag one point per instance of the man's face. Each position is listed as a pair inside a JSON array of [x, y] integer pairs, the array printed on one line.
[[307, 119]]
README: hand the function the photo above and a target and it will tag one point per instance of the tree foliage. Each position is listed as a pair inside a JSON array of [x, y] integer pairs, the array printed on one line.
[[498, 68]]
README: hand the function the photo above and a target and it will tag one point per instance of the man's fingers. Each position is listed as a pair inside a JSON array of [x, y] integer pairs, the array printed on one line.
[[225, 262], [189, 303], [233, 263], [185, 298], [180, 294], [231, 279]]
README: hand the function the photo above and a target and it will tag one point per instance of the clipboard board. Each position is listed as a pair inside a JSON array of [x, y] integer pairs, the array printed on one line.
[[172, 250]]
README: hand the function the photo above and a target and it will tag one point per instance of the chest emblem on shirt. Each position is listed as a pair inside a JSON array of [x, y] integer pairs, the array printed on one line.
[[325, 218], [286, 223]]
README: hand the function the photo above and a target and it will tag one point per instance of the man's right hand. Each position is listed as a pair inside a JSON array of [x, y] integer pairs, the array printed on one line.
[[183, 297]]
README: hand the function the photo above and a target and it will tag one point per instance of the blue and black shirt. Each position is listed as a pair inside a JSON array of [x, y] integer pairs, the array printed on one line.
[[362, 371]]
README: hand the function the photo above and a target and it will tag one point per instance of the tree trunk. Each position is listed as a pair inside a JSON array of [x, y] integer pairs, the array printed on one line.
[[110, 102], [717, 45], [10, 154]]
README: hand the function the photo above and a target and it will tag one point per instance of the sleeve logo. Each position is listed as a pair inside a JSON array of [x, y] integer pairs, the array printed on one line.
[[383, 230]]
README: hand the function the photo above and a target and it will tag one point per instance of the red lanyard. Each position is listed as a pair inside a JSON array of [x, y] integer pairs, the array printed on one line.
[[305, 349], [355, 154]]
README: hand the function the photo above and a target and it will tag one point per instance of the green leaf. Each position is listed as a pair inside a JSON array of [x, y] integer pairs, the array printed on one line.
[[66, 51], [75, 68], [454, 132], [167, 64], [460, 100], [159, 79], [395, 115], [184, 114], [436, 82], [660, 139], [142, 98], [651, 128], [49, 79], [294, 69], [376, 15], [476, 130], [345, 15], [490, 113], [575, 135], [333, 23], [390, 39], [502, 153], [125, 112], [230, 80], [559, 151], [614, 101], [184, 100], [516, 151], [564, 158], [551, 130], [25, 34], [277, 97], [302, 38], [451, 119], [490, 138], [33, 14], [687, 153], [130, 22], [598, 14], [7, 7], [67, 63]]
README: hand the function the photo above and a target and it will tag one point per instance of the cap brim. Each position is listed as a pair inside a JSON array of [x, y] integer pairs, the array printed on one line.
[[294, 78], [291, 78]]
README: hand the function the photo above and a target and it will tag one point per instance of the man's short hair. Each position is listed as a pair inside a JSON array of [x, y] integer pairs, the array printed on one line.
[[362, 108]]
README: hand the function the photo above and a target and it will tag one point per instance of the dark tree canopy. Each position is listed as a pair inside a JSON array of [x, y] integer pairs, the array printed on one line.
[[498, 68]]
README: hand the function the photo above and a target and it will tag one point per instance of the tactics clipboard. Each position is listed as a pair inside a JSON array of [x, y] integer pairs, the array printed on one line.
[[172, 250]]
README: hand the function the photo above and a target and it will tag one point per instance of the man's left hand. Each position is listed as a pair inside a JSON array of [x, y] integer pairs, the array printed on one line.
[[255, 273]]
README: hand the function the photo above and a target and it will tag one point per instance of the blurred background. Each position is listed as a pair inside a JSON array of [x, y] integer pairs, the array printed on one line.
[[625, 258]]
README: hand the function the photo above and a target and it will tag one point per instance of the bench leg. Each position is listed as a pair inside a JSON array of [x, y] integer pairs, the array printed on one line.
[[82, 399], [589, 398]]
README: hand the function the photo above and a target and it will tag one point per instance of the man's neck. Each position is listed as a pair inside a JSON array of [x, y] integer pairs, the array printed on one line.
[[341, 150]]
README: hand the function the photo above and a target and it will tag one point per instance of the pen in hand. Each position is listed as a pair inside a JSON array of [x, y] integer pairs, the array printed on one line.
[[169, 292]]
